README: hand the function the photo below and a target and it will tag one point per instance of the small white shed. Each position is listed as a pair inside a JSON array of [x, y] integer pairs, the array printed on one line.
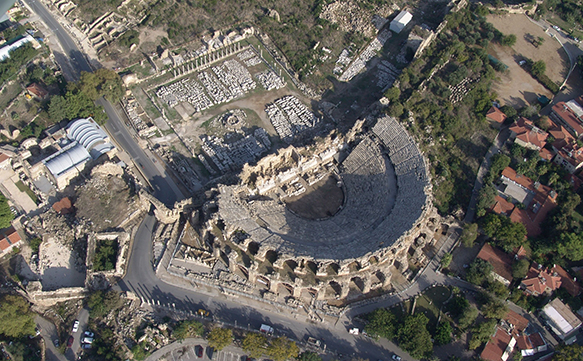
[[401, 21]]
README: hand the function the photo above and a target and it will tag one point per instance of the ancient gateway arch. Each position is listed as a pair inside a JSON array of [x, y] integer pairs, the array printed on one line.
[[336, 217]]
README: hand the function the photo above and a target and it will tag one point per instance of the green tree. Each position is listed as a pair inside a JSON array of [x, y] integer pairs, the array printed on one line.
[[469, 234], [381, 323], [446, 260], [282, 349], [479, 272], [467, 317], [17, 318], [443, 333], [395, 110], [509, 111], [219, 338], [101, 83], [35, 244], [538, 68], [486, 199], [139, 351], [393, 94], [309, 356], [187, 328], [498, 289], [520, 268], [254, 344], [507, 234], [508, 40], [568, 353], [102, 303], [6, 215], [481, 333], [571, 246], [494, 309], [414, 337]]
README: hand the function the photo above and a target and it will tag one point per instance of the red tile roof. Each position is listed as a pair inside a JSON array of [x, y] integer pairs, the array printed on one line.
[[527, 132], [521, 252], [37, 90], [543, 201], [64, 206], [567, 282], [496, 115], [502, 206], [570, 151], [9, 237], [546, 154], [520, 323], [567, 115], [539, 281], [559, 132], [496, 346], [500, 261]]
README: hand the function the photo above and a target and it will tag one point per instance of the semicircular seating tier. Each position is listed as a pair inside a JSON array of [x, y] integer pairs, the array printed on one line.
[[386, 185]]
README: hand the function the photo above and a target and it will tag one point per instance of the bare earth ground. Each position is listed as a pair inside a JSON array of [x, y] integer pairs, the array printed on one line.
[[515, 87], [550, 51], [321, 200], [57, 266]]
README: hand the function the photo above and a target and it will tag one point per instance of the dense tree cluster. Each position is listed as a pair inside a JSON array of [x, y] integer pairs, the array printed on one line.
[[17, 318], [105, 255], [187, 328]]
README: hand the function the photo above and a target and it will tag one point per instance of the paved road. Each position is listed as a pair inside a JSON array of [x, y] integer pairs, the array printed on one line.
[[164, 187], [73, 59], [49, 334], [499, 141]]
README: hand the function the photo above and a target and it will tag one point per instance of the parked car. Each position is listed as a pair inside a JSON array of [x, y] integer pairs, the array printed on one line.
[[199, 351], [87, 340], [89, 334], [75, 326], [56, 342], [86, 346], [70, 341], [396, 358]]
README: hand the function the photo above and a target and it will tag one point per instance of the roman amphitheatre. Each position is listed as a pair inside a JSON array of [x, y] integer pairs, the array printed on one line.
[[343, 215]]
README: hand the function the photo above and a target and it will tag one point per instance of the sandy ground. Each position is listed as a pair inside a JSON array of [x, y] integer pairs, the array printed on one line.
[[550, 51], [57, 266]]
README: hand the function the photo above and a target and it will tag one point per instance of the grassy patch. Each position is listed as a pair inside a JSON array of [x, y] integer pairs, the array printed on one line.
[[26, 189]]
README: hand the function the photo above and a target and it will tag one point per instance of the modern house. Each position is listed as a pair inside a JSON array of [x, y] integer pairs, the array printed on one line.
[[501, 263], [536, 200]]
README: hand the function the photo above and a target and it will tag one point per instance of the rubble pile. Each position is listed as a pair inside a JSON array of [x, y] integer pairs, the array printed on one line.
[[290, 117], [386, 74], [226, 82], [351, 17], [230, 156], [269, 80], [369, 52]]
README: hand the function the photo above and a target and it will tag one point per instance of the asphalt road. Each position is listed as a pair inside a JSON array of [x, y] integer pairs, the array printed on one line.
[[77, 61], [164, 187]]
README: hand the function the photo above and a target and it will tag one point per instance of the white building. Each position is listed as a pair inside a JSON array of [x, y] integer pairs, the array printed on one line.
[[399, 23], [5, 50], [561, 319], [85, 141]]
